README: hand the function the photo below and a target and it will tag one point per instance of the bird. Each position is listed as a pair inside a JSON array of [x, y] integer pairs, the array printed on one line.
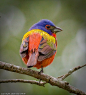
[[39, 45]]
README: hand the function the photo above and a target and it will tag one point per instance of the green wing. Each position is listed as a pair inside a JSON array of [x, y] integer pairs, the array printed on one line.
[[46, 49]]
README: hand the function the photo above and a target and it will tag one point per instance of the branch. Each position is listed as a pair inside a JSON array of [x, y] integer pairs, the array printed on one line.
[[49, 79], [70, 72], [23, 81]]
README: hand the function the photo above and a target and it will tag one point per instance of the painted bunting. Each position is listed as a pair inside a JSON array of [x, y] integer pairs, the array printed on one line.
[[39, 44]]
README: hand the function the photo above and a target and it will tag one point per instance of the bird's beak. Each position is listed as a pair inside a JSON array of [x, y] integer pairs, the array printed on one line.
[[56, 29]]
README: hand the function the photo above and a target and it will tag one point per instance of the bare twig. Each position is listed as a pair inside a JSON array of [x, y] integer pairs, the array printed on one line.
[[49, 79], [70, 72], [22, 81]]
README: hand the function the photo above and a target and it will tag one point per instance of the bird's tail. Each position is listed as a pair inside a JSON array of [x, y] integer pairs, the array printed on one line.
[[33, 56]]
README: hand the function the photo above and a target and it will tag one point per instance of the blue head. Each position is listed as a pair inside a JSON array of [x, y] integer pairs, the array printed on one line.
[[47, 26]]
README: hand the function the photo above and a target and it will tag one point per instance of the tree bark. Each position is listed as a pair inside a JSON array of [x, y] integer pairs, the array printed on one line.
[[48, 79]]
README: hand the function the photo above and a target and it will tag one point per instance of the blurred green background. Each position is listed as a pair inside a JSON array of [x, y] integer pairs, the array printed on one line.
[[17, 16]]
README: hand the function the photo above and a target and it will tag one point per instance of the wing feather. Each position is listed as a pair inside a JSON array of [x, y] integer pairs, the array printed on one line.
[[24, 47], [45, 50]]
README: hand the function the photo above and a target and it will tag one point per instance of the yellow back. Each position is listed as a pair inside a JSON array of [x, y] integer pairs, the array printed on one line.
[[50, 39], [42, 33]]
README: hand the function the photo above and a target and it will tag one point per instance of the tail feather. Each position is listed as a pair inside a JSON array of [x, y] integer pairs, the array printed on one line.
[[32, 59]]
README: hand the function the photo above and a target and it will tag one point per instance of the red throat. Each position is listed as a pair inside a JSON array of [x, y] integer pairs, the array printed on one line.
[[54, 35]]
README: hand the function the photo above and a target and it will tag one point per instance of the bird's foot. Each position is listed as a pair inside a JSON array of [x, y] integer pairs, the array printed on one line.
[[41, 71]]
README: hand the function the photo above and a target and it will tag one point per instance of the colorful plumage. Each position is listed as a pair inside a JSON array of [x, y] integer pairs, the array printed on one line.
[[39, 44]]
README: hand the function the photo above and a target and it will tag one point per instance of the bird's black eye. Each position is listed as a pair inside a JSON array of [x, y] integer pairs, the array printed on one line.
[[47, 27]]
